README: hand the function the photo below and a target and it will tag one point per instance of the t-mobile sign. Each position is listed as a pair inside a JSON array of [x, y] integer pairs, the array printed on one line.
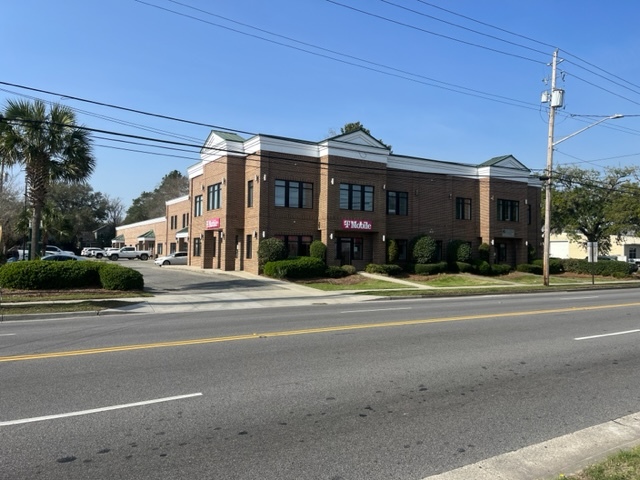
[[357, 224], [212, 223]]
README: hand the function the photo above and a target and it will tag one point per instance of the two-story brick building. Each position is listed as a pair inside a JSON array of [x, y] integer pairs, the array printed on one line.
[[352, 193]]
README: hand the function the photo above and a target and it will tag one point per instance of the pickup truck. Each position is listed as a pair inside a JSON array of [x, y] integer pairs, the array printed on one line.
[[128, 252]]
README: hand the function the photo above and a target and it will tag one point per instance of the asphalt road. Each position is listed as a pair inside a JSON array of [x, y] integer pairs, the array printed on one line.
[[386, 390]]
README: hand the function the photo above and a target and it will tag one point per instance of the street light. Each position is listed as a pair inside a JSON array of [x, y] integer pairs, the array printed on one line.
[[547, 201]]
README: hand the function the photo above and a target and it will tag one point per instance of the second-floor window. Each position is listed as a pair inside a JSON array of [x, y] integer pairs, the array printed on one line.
[[294, 194], [356, 197], [508, 210], [463, 208], [250, 193], [197, 206], [185, 220], [214, 197], [174, 222], [397, 203]]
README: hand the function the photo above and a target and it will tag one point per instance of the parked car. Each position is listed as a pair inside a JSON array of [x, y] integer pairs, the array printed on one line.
[[177, 258], [52, 249], [61, 257], [93, 252]]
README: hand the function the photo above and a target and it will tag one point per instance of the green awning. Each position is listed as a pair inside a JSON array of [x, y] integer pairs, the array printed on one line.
[[147, 236], [184, 233], [119, 238]]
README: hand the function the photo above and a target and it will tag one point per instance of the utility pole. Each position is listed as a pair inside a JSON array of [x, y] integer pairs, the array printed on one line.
[[555, 101]]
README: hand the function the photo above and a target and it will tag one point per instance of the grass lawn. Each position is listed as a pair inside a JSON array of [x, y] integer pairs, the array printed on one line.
[[353, 282], [444, 280], [623, 465]]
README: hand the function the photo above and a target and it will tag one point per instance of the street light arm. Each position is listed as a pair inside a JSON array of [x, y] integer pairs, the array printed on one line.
[[612, 117]]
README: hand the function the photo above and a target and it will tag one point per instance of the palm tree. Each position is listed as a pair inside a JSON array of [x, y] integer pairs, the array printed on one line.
[[50, 147]]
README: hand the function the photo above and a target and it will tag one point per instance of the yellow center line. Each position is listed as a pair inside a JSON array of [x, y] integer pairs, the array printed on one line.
[[306, 331]]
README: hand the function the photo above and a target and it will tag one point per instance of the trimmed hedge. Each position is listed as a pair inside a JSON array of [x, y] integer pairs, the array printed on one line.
[[556, 265], [387, 269], [271, 250], [335, 272], [607, 269], [318, 249], [301, 267], [529, 268], [430, 268], [44, 275]]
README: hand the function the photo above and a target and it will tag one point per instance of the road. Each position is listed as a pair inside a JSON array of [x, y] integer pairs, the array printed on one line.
[[401, 389]]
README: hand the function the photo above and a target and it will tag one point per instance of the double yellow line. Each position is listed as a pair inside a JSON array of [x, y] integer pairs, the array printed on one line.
[[306, 331]]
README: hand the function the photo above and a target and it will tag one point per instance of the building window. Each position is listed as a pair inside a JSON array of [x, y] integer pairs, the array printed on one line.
[[397, 203], [185, 220], [297, 245], [502, 252], [248, 246], [463, 208], [528, 214], [356, 197], [403, 248], [196, 247], [508, 210], [159, 246], [214, 197], [174, 222], [172, 248], [197, 206], [250, 194], [348, 249], [294, 194]]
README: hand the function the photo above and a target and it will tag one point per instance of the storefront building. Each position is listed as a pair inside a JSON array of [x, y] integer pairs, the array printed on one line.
[[355, 196]]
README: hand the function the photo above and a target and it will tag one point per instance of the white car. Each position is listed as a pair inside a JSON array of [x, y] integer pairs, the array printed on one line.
[[93, 252], [177, 258], [53, 250]]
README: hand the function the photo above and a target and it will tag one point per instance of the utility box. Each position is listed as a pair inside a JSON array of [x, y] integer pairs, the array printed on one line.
[[557, 98]]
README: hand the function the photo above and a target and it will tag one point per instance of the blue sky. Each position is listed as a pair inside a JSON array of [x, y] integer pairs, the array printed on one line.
[[448, 93]]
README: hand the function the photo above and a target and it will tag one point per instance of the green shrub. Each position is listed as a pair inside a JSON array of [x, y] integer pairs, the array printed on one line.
[[556, 265], [44, 275], [301, 267], [458, 251], [424, 249], [529, 268], [350, 269], [115, 277], [271, 250], [317, 249], [608, 268], [484, 252], [484, 268], [386, 269], [430, 268], [500, 269], [335, 272], [464, 267], [392, 251]]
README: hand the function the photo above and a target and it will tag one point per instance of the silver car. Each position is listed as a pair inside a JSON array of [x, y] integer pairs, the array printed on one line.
[[177, 258]]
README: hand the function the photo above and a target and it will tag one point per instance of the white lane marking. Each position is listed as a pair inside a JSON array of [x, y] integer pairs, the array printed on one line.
[[6, 334], [377, 310], [97, 410], [607, 335], [579, 298]]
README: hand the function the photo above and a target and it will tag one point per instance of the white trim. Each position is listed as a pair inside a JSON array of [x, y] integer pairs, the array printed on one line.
[[177, 200], [142, 223]]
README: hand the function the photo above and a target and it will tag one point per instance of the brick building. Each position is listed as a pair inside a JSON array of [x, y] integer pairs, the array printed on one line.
[[354, 195]]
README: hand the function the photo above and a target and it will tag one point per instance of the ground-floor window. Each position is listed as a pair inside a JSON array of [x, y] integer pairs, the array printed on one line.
[[196, 247], [159, 250], [297, 245], [349, 249], [403, 247], [248, 246], [502, 252], [172, 248]]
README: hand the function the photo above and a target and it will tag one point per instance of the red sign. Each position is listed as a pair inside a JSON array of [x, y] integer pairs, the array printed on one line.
[[212, 223], [357, 224]]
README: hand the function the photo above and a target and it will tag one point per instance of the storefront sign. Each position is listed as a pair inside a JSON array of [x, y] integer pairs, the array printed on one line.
[[357, 224], [212, 223]]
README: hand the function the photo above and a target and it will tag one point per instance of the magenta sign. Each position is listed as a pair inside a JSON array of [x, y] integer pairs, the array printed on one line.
[[348, 224], [212, 223]]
